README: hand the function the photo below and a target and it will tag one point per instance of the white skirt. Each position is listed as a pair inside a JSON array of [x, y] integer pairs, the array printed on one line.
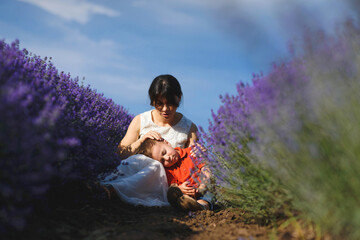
[[139, 180]]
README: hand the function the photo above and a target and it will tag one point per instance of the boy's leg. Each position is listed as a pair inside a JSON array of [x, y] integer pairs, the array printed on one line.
[[207, 200], [173, 194], [204, 203], [180, 201], [188, 203]]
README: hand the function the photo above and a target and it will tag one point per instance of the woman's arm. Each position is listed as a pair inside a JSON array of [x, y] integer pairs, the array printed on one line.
[[131, 141], [128, 145], [192, 136], [205, 181]]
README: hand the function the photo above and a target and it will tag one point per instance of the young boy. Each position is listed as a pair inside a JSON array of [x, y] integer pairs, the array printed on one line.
[[183, 175]]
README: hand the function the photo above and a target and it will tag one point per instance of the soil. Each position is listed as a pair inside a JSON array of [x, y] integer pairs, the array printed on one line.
[[113, 219]]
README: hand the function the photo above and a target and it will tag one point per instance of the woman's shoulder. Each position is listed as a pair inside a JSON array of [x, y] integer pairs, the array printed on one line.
[[146, 123], [184, 121], [145, 117], [190, 129], [138, 119], [146, 113], [135, 123]]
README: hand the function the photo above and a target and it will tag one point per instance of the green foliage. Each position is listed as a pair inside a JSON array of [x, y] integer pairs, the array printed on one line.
[[250, 187], [318, 160], [303, 121]]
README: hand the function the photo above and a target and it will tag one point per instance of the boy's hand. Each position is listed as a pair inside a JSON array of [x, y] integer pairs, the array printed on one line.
[[187, 190]]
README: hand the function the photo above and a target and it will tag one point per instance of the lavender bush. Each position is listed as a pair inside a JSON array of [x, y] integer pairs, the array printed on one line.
[[311, 142], [240, 181], [298, 125], [53, 131]]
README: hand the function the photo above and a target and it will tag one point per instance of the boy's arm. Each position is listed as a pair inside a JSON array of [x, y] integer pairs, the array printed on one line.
[[185, 189]]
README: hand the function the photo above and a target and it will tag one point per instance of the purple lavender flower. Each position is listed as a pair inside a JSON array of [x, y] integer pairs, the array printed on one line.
[[51, 128], [296, 128]]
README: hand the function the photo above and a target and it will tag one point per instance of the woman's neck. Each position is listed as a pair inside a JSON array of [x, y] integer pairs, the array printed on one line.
[[160, 121]]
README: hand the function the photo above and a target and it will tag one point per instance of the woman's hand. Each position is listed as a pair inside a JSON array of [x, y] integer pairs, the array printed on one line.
[[187, 190], [197, 150], [152, 135]]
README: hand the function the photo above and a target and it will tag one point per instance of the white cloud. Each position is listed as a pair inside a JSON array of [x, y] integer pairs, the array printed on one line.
[[168, 12], [73, 10], [102, 66], [130, 87]]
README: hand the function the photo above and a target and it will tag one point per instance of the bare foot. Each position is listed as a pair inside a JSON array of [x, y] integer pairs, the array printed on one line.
[[97, 189], [107, 190]]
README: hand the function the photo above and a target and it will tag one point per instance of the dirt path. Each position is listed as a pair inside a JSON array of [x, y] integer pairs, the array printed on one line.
[[113, 220]]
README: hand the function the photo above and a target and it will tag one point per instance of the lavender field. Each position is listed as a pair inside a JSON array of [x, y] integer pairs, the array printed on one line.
[[286, 144], [53, 131]]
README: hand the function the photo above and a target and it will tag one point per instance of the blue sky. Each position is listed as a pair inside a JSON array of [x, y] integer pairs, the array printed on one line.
[[119, 46]]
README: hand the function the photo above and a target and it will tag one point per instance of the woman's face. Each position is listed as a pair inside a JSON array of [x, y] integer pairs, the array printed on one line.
[[166, 110]]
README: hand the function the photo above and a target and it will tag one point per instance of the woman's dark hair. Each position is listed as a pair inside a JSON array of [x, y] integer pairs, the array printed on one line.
[[166, 86]]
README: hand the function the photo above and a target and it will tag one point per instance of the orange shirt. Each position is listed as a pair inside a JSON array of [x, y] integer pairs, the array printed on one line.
[[184, 170]]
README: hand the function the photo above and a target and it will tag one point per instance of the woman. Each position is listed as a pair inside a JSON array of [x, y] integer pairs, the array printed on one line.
[[163, 122], [140, 180]]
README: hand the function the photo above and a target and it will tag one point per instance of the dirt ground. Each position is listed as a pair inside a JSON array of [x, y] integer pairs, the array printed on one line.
[[113, 219]]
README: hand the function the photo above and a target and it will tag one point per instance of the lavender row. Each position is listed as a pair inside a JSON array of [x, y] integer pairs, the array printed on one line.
[[290, 138], [53, 131]]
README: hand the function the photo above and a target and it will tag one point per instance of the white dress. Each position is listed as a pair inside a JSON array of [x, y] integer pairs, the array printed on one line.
[[176, 135], [140, 180]]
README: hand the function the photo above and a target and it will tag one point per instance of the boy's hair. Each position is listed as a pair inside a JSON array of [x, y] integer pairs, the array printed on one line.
[[146, 147]]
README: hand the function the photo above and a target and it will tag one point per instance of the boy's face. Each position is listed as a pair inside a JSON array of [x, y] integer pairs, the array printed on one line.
[[165, 154]]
